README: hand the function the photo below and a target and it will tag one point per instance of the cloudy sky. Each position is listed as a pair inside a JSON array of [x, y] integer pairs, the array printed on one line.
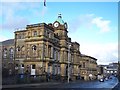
[[93, 24]]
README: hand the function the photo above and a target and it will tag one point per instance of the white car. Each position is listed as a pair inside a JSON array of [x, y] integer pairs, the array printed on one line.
[[101, 80], [106, 79]]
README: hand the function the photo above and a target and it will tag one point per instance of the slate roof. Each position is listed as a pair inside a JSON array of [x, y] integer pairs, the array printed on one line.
[[7, 42]]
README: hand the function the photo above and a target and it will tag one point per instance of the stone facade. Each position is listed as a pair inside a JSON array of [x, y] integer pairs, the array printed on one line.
[[7, 49], [46, 48], [106, 70], [112, 68], [88, 69]]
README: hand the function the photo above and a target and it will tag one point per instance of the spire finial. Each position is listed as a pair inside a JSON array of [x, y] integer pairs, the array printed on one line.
[[59, 15]]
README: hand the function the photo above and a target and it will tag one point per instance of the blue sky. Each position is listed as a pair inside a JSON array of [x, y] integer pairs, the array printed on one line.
[[93, 24]]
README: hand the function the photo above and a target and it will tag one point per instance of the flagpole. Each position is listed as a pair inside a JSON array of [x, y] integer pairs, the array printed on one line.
[[44, 3]]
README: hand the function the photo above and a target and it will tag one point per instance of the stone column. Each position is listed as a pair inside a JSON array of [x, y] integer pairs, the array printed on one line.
[[42, 51], [46, 65], [63, 69], [52, 51]]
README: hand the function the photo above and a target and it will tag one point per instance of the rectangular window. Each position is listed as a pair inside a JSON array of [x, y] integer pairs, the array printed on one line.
[[5, 55], [35, 33], [28, 33], [50, 35], [22, 65], [45, 50], [11, 55], [58, 69], [16, 65], [46, 33], [83, 64], [58, 55], [40, 32], [19, 36], [33, 66], [53, 69], [51, 52]]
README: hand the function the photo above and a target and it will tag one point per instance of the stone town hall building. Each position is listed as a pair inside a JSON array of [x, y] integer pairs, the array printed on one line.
[[47, 48]]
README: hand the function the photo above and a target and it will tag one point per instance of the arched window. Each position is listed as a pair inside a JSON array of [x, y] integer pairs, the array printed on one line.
[[23, 48], [19, 36], [34, 47], [84, 65], [5, 49], [18, 48], [23, 51], [5, 52], [11, 50]]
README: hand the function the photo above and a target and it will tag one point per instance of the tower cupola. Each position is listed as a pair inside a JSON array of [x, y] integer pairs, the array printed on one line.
[[59, 19]]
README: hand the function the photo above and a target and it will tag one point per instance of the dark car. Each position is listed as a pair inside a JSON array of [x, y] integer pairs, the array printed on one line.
[[106, 78], [110, 77]]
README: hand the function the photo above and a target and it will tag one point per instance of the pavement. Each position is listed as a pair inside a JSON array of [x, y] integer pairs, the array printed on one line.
[[117, 87], [111, 84], [57, 86], [43, 85], [27, 85]]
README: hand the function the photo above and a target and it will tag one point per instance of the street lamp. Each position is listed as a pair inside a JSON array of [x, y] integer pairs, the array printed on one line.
[[119, 71], [69, 45]]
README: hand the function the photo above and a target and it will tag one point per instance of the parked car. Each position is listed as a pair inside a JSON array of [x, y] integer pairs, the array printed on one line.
[[106, 78], [110, 77], [101, 79]]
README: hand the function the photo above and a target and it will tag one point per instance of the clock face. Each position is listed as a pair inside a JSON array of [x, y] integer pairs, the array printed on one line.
[[56, 24]]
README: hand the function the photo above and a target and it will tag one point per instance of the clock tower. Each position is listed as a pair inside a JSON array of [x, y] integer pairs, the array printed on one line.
[[60, 27]]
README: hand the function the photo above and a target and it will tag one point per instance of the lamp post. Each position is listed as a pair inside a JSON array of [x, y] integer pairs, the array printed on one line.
[[119, 71], [69, 62]]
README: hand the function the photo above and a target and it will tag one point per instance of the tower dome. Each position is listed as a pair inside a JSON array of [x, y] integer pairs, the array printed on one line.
[[59, 19]]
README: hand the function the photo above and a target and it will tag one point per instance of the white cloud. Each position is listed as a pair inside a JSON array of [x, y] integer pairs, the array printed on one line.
[[89, 21], [102, 24], [14, 23], [105, 53], [3, 38], [11, 20], [81, 21], [115, 54]]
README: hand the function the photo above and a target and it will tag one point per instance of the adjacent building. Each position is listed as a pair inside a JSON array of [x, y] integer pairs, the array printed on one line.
[[106, 70], [88, 70], [7, 49], [112, 68]]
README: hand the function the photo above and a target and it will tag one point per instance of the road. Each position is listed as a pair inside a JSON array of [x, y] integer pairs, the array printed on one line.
[[106, 85]]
